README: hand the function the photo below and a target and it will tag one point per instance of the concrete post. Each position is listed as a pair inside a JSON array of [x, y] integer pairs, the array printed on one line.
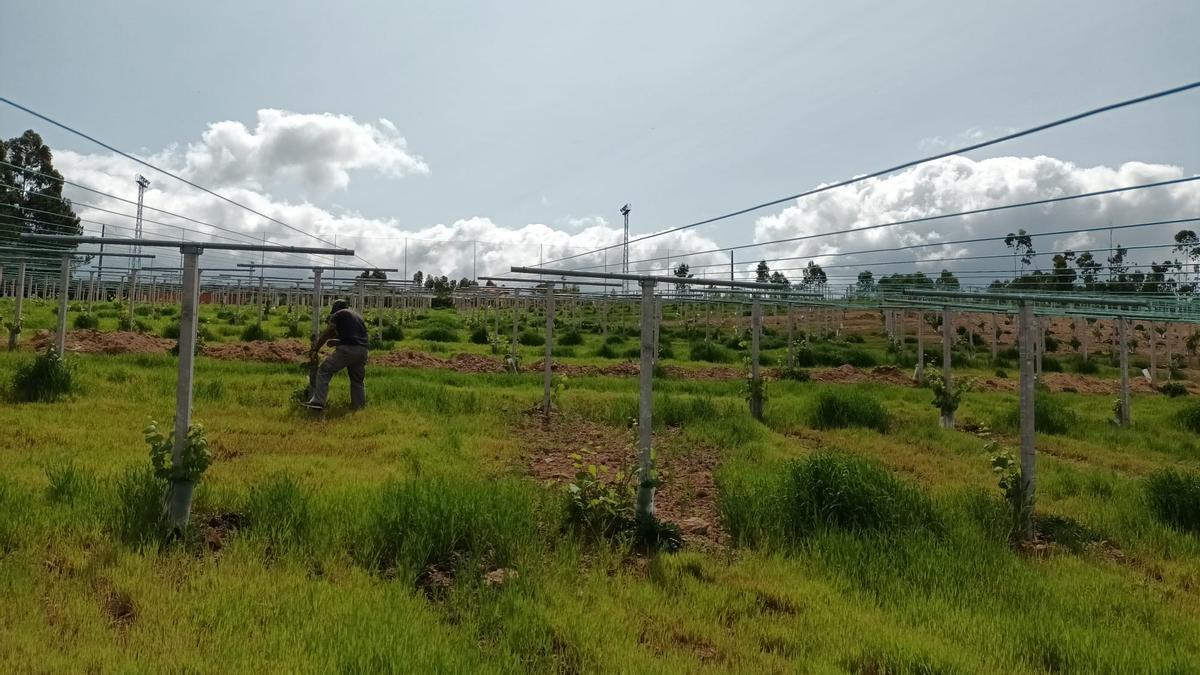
[[1153, 355], [920, 348], [547, 364], [791, 352], [1123, 339], [19, 294], [645, 493], [995, 338], [179, 503], [512, 348], [1027, 335], [947, 374], [756, 402], [60, 337]]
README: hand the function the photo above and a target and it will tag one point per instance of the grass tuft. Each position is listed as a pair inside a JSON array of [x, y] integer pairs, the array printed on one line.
[[1174, 498], [842, 408]]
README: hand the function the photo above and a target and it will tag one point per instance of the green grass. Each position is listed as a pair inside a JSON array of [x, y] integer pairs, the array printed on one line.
[[364, 542]]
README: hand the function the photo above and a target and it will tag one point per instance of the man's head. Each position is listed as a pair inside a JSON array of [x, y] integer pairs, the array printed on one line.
[[338, 305]]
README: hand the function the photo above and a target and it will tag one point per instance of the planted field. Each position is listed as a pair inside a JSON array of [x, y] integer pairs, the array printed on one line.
[[451, 527]]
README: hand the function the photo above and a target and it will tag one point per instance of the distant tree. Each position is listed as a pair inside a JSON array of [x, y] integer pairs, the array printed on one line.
[[374, 274], [1062, 276], [682, 271], [31, 198], [866, 281], [946, 281], [894, 282], [1022, 245], [419, 278], [1187, 243], [1089, 270], [778, 277], [813, 275], [762, 273], [490, 283]]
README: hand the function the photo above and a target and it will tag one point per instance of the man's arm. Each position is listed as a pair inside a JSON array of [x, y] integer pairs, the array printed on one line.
[[326, 335]]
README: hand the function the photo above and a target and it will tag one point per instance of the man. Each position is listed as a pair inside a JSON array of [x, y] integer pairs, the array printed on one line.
[[350, 332]]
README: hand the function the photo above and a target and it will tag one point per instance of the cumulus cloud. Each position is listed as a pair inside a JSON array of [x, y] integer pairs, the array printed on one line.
[[960, 184], [320, 150], [317, 151]]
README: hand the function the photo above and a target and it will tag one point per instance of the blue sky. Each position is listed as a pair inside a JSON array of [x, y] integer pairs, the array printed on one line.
[[558, 113]]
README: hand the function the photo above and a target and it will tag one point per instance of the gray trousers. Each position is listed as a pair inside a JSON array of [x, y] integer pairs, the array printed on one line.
[[354, 360]]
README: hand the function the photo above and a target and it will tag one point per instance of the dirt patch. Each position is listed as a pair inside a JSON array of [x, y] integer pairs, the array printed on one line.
[[110, 342], [218, 528], [687, 497], [406, 358], [281, 351], [117, 605], [623, 369], [847, 374]]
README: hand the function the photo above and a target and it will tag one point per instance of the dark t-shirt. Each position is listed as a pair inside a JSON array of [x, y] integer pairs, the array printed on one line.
[[351, 331]]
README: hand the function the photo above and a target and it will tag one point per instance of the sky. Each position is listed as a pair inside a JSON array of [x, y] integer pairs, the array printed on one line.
[[517, 130]]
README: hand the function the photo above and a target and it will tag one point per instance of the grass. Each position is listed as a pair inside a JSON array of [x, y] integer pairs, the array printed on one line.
[[842, 408], [1175, 498], [362, 542]]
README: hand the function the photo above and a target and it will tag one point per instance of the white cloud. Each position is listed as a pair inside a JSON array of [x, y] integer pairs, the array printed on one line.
[[959, 184], [315, 150], [319, 151]]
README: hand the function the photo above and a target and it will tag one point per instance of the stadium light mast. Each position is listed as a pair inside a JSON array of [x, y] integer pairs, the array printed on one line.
[[142, 183]]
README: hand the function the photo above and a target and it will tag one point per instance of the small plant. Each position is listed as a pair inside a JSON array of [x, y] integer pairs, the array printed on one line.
[[293, 330], [947, 400], [512, 362], [479, 335], [755, 393], [85, 322], [46, 379], [558, 385], [393, 332], [571, 338], [1008, 478], [795, 374], [600, 501], [531, 338], [255, 331], [1173, 389], [606, 351], [1118, 412], [1174, 498], [137, 518], [195, 459], [439, 334], [67, 482], [710, 352]]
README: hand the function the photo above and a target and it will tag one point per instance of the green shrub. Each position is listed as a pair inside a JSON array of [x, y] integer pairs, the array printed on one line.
[[614, 339], [143, 310], [1082, 366], [393, 332], [1050, 415], [137, 517], [446, 523], [1174, 498], [439, 334], [255, 331], [794, 374], [171, 331], [601, 504], [1051, 365], [633, 353], [606, 351], [1173, 389], [835, 491], [1188, 418], [710, 352], [665, 351], [842, 408], [531, 338], [293, 330], [280, 511], [571, 338], [47, 378], [86, 322], [479, 336]]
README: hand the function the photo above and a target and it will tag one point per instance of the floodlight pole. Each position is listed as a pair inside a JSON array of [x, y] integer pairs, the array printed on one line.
[[64, 282], [179, 503], [645, 493], [1027, 428], [20, 300]]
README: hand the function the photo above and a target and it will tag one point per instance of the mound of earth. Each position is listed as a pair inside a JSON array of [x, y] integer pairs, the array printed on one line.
[[111, 342], [281, 351]]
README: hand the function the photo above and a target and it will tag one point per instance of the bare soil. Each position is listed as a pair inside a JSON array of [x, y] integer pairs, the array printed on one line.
[[687, 497], [97, 342]]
